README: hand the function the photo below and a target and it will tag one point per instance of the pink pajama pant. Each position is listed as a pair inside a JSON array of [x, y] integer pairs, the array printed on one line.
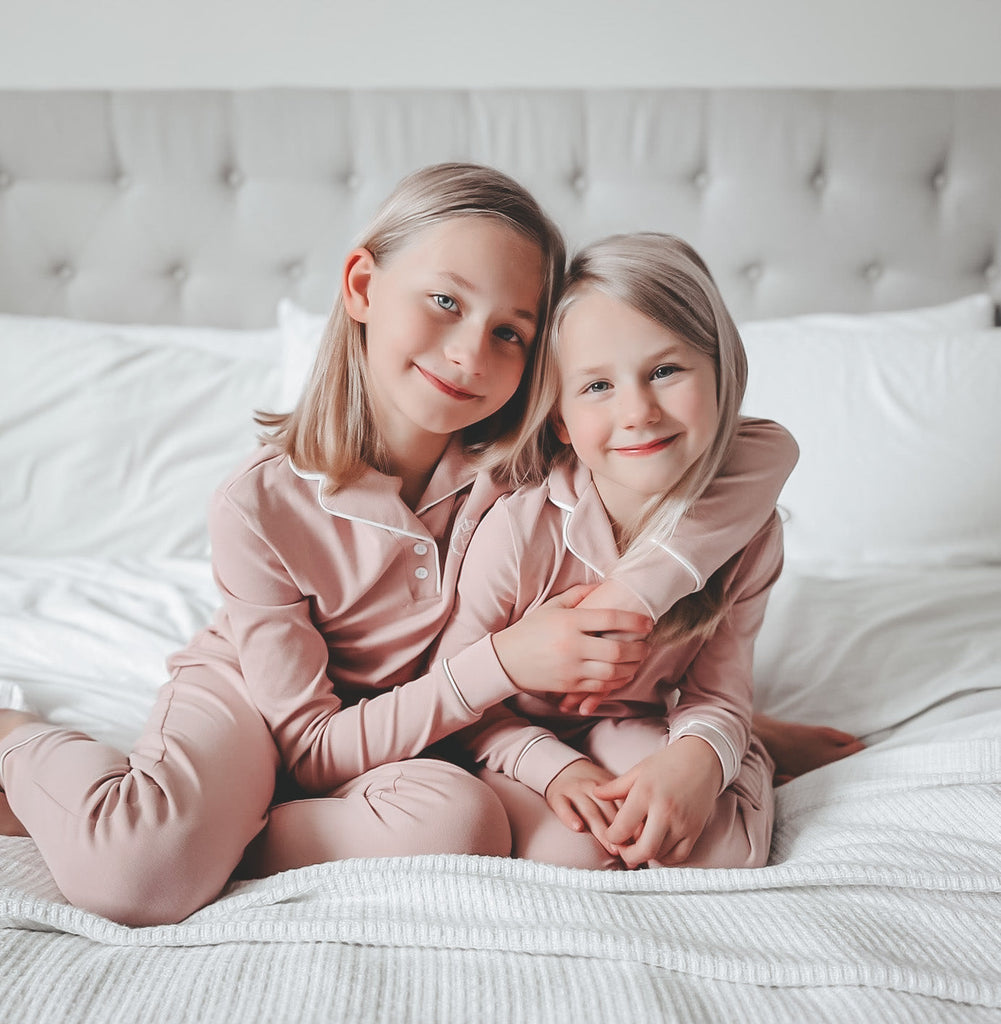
[[150, 837], [738, 833]]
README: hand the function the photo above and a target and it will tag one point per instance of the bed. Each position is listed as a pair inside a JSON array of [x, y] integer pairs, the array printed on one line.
[[165, 261]]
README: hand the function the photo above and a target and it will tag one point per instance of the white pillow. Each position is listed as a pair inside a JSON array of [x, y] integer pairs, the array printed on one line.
[[867, 651], [971, 313], [112, 438], [261, 344], [899, 435], [300, 333]]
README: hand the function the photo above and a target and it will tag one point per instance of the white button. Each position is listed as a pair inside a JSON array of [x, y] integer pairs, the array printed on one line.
[[352, 181], [939, 181], [421, 573], [753, 272], [64, 271], [295, 270], [420, 549], [872, 272], [701, 180], [819, 181], [5, 180], [179, 273], [579, 181], [234, 178]]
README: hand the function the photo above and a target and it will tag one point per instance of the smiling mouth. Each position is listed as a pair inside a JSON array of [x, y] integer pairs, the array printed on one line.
[[650, 448], [446, 388]]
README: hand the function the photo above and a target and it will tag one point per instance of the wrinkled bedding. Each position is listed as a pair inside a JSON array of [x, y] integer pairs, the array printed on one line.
[[882, 867]]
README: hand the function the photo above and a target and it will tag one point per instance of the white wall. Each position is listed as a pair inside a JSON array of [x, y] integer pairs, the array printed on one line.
[[460, 43]]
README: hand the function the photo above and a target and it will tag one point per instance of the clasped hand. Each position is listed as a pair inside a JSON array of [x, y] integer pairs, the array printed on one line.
[[654, 812]]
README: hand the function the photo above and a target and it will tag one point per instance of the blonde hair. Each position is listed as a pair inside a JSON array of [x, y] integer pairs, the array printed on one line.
[[665, 279], [332, 429]]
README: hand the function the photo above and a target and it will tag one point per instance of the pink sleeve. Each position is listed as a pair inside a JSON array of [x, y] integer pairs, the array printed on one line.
[[284, 661], [488, 594], [717, 688], [721, 523]]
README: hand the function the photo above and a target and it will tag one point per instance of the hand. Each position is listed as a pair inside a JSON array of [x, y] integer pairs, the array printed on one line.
[[797, 749], [666, 801], [608, 594], [571, 797], [555, 648]]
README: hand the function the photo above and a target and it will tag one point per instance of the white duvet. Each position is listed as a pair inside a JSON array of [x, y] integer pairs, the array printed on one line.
[[880, 903]]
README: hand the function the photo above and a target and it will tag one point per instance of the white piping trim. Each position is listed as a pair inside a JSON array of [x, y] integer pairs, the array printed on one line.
[[439, 500], [687, 730], [303, 475], [699, 581], [568, 514], [455, 686], [424, 537], [526, 748], [17, 746]]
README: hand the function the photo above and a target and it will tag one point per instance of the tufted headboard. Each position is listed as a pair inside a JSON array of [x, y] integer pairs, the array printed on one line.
[[207, 207]]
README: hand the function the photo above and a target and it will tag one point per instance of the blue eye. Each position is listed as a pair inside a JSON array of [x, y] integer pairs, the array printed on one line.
[[598, 387], [446, 302], [663, 372], [509, 334]]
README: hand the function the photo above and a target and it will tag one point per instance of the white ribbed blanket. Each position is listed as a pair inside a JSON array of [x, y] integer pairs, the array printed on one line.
[[881, 904]]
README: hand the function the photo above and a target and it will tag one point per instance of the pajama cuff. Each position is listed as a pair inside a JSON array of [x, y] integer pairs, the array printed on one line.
[[719, 741], [477, 678], [541, 760], [658, 591]]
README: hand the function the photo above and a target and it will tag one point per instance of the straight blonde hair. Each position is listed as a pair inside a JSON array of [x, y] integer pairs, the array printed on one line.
[[663, 278], [332, 430]]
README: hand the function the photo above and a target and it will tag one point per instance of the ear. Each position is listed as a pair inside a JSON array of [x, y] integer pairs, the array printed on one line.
[[356, 283], [559, 427]]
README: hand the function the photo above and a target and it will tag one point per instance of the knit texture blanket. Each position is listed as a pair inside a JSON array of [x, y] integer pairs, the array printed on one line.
[[881, 903]]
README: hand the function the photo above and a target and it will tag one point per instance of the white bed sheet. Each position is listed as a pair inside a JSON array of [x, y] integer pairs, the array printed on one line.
[[883, 866], [864, 651]]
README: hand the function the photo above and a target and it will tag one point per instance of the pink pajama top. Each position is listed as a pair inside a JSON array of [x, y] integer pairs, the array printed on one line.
[[330, 603], [541, 540]]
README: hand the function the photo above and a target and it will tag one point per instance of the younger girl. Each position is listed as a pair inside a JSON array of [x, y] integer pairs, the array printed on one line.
[[648, 373], [336, 549]]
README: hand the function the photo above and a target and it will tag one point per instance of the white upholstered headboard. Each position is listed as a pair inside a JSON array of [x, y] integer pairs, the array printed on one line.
[[207, 207]]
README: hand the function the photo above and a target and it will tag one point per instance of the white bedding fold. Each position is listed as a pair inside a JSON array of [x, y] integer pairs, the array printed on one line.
[[883, 867]]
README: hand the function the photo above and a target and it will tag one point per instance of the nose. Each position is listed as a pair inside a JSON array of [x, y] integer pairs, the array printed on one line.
[[468, 348], [637, 406]]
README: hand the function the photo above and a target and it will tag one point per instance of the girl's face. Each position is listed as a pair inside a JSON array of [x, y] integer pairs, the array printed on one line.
[[637, 402], [449, 322]]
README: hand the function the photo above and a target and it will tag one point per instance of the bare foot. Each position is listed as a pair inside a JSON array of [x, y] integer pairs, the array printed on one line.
[[9, 823], [796, 748]]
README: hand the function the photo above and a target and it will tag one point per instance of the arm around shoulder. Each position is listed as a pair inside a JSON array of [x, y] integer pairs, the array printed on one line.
[[721, 522]]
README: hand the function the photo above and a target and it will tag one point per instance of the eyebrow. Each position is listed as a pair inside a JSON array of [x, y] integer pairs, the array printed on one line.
[[461, 282], [587, 371]]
